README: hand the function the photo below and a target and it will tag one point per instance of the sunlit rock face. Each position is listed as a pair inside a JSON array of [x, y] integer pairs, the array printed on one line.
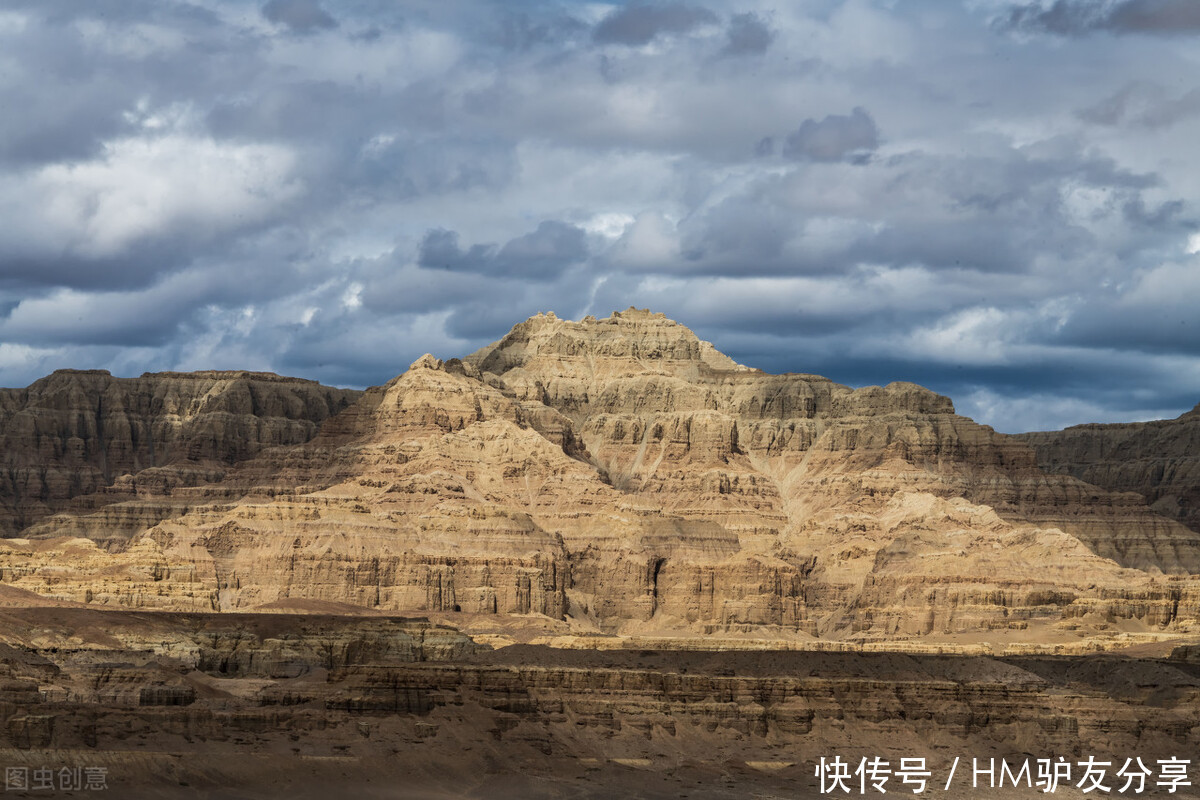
[[624, 476]]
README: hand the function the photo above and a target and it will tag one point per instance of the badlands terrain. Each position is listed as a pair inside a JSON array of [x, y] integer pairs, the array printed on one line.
[[593, 559]]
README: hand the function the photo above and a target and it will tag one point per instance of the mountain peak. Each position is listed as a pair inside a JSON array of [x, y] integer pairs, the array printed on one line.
[[427, 361], [632, 339], [633, 313]]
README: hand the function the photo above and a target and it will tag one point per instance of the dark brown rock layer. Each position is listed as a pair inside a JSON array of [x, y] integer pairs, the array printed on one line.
[[183, 705], [1159, 460], [79, 432]]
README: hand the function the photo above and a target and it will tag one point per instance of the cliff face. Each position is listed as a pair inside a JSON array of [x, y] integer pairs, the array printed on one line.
[[1159, 460], [664, 414], [77, 433], [623, 476]]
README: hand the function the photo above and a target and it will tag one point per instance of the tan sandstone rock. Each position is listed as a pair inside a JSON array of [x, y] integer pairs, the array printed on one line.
[[623, 476]]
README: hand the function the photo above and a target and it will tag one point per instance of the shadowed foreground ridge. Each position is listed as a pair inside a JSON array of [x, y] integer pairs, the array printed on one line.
[[593, 559], [310, 705]]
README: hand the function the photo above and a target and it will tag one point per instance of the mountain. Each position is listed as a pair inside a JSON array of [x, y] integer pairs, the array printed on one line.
[[620, 475], [85, 433], [1159, 460]]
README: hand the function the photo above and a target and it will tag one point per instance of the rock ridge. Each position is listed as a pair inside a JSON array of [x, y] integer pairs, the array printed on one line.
[[85, 433], [622, 476], [1158, 460]]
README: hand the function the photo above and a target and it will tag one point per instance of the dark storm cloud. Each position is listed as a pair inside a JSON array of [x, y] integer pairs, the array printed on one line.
[[344, 353], [641, 23], [302, 16], [398, 288], [22, 273], [1143, 104], [750, 233], [59, 127], [1154, 312], [486, 320], [1164, 330], [1048, 392], [833, 138], [1113, 109], [1058, 372], [147, 315], [101, 319], [1166, 217], [1155, 16], [747, 34], [546, 251], [440, 250], [1076, 17], [519, 31], [1064, 17], [1171, 111]]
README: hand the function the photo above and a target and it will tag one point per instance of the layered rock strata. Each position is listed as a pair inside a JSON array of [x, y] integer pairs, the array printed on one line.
[[84, 433], [622, 475], [184, 704], [1159, 460]]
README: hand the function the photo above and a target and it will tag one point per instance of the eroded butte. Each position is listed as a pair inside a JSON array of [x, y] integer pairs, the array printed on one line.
[[601, 541]]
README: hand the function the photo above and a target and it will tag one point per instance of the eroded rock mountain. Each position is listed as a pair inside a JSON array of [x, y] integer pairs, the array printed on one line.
[[1159, 460], [83, 432], [621, 475]]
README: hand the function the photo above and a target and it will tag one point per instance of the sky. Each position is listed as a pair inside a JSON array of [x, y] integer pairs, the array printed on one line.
[[997, 200]]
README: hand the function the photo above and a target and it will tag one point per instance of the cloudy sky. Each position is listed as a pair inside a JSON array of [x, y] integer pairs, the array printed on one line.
[[1000, 201]]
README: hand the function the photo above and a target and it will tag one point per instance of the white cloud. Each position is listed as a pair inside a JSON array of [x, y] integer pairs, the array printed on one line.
[[650, 243], [610, 224], [974, 335], [352, 298], [139, 188], [21, 364], [1043, 411], [12, 23]]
